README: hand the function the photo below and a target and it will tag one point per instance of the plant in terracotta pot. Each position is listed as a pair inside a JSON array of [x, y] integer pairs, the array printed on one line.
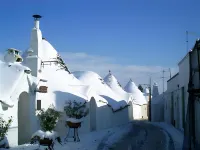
[[4, 126], [48, 120], [75, 111]]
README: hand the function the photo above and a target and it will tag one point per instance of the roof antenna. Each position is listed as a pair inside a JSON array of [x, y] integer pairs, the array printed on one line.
[[186, 41]]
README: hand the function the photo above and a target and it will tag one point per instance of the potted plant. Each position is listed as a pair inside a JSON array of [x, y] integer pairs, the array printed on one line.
[[4, 126], [75, 112], [48, 120]]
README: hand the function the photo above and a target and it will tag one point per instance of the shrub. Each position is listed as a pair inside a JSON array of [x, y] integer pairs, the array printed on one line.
[[4, 125], [76, 110], [48, 118]]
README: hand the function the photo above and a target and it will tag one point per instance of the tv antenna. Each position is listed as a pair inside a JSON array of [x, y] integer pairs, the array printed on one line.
[[187, 39]]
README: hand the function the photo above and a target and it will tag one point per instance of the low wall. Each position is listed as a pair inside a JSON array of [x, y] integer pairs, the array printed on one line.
[[12, 136], [137, 113]]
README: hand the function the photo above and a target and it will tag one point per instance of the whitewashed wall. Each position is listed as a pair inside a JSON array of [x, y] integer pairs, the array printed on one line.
[[13, 131], [23, 86], [137, 112], [184, 69], [144, 110], [172, 86]]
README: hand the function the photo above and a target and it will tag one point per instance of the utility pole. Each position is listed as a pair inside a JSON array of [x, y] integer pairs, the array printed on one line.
[[186, 41], [150, 99], [163, 77], [170, 73]]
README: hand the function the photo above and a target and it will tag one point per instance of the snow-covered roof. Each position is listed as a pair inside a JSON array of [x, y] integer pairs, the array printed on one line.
[[113, 83], [62, 85], [92, 79], [11, 76], [48, 51], [137, 94], [146, 91]]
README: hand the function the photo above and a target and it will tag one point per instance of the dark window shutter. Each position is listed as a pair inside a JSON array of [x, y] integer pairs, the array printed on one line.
[[39, 105]]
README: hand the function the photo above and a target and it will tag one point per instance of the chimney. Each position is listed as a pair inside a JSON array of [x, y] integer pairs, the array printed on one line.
[[37, 22]]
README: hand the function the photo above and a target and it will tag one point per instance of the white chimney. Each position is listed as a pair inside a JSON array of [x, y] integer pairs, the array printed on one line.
[[37, 21]]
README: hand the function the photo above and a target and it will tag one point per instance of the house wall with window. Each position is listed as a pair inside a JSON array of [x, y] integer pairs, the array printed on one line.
[[184, 70], [177, 95], [170, 94]]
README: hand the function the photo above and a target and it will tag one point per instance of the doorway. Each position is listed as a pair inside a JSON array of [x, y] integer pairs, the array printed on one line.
[[24, 118], [172, 109], [130, 111], [93, 109]]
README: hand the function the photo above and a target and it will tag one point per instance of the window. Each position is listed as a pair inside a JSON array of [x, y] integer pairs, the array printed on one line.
[[39, 105]]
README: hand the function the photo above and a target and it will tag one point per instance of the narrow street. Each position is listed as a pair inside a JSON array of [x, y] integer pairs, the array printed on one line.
[[143, 136]]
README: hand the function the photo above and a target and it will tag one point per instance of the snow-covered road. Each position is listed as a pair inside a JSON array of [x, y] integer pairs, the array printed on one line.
[[136, 135], [143, 136]]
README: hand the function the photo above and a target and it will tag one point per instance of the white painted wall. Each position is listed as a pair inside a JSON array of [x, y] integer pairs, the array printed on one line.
[[137, 114], [172, 87], [183, 82], [175, 92], [23, 86]]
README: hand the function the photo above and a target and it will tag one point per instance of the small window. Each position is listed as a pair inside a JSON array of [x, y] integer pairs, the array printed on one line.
[[39, 105], [16, 52]]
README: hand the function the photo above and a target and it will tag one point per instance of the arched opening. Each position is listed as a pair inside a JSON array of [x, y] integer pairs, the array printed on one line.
[[24, 118], [93, 109], [130, 111]]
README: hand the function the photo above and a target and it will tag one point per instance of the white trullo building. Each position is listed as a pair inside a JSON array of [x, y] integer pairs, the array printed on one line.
[[140, 104], [43, 67]]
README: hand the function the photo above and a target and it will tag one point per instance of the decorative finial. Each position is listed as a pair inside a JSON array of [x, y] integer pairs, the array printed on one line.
[[109, 72]]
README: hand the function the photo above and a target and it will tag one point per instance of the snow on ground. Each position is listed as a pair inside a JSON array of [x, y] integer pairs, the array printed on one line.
[[89, 141], [109, 137], [92, 140], [176, 135], [25, 147]]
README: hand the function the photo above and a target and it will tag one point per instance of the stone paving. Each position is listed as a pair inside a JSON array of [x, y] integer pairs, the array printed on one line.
[[144, 136]]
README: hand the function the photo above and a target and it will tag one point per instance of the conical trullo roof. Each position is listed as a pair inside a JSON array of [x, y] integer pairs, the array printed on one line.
[[101, 88], [137, 94], [155, 90], [113, 83], [130, 87]]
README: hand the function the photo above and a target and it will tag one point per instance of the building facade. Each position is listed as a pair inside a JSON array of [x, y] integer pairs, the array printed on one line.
[[182, 107]]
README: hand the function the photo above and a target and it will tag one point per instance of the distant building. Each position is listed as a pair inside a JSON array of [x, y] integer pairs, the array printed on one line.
[[140, 105]]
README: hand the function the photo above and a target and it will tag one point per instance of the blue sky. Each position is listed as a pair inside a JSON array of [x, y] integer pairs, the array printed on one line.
[[130, 32]]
